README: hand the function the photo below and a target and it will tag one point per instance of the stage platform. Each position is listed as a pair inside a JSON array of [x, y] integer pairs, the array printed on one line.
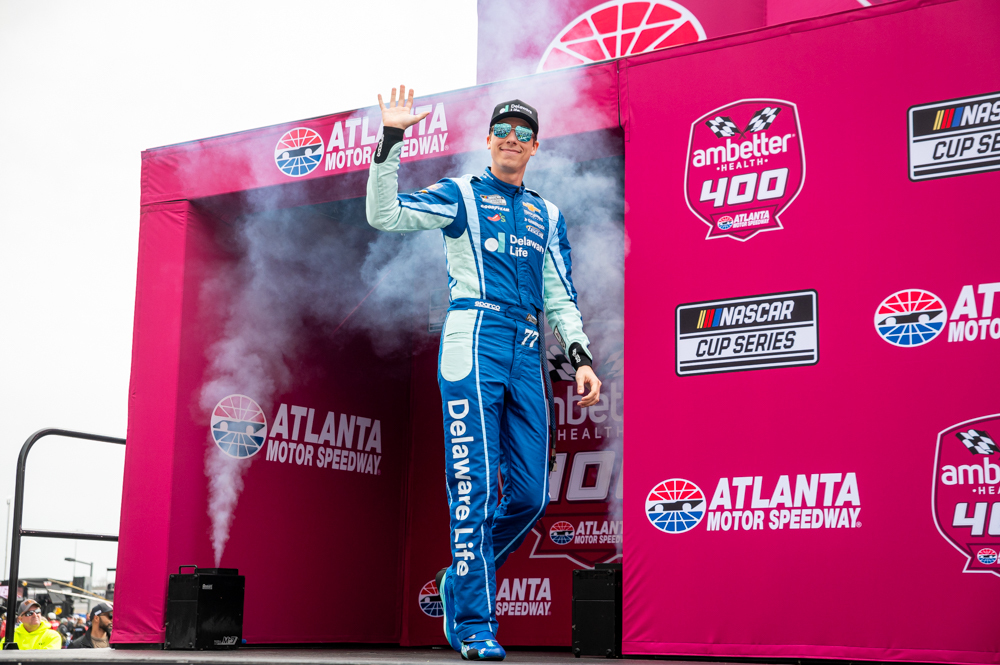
[[318, 656]]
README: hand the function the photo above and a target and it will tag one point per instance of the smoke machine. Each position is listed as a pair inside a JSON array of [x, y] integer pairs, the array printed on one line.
[[205, 609]]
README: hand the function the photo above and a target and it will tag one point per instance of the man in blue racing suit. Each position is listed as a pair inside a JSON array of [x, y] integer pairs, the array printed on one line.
[[508, 259]]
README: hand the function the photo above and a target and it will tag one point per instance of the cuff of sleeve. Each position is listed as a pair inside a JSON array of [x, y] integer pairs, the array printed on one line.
[[578, 357], [390, 137]]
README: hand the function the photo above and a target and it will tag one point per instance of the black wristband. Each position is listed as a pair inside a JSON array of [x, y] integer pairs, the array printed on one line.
[[578, 357], [390, 137]]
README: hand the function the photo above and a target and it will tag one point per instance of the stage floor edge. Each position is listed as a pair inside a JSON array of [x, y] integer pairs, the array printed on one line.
[[292, 656]]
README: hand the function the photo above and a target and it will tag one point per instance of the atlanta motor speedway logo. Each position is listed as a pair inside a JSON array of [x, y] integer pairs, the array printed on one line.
[[238, 426], [298, 152], [757, 503], [745, 166], [910, 317], [914, 317], [430, 600]]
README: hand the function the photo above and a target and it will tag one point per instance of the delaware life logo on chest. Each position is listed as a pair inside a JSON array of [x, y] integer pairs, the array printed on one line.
[[745, 166]]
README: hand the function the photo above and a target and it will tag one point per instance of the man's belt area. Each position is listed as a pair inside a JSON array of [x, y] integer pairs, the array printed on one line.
[[515, 312]]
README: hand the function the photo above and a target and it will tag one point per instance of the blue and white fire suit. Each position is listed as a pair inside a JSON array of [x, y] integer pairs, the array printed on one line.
[[508, 259]]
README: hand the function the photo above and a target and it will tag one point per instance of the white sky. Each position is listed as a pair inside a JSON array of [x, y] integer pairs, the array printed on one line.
[[84, 88]]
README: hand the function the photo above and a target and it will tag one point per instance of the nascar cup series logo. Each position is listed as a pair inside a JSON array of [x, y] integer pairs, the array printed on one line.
[[675, 506], [430, 600], [298, 152], [238, 426], [910, 317], [745, 166], [966, 491]]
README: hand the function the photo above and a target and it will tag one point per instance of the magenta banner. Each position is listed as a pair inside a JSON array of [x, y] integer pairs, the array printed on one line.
[[817, 475]]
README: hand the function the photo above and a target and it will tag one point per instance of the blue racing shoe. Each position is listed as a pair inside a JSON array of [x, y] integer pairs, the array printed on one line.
[[441, 579], [482, 646]]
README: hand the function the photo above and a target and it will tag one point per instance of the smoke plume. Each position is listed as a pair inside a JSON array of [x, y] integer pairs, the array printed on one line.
[[304, 273]]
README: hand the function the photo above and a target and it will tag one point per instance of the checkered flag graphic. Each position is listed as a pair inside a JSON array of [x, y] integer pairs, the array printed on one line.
[[722, 126], [762, 119], [978, 442]]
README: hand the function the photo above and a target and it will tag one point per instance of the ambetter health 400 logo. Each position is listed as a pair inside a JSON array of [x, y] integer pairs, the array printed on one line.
[[745, 165], [966, 492]]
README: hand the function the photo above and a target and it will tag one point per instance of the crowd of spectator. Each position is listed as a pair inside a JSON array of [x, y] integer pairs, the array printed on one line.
[[34, 631]]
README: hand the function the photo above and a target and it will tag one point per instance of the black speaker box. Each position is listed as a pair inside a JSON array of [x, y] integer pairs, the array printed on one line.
[[597, 611], [205, 609]]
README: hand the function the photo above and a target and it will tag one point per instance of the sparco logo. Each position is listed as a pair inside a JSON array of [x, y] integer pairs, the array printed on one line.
[[745, 165], [966, 491], [238, 426]]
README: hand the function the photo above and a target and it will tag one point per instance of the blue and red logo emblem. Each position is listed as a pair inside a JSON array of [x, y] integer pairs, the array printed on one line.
[[430, 600], [561, 533], [299, 152], [675, 506], [911, 317], [987, 556], [239, 427]]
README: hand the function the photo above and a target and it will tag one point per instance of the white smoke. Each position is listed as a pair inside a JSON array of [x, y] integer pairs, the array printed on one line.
[[302, 275]]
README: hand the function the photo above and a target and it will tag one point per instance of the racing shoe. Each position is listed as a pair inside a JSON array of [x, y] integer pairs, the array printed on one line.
[[482, 646], [441, 579]]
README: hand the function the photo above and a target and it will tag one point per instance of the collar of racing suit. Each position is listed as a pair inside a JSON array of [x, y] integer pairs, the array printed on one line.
[[504, 187]]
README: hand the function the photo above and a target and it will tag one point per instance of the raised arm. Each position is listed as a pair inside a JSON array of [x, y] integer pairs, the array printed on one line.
[[433, 208]]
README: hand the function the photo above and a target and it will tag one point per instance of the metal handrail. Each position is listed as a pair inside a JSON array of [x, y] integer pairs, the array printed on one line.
[[17, 531]]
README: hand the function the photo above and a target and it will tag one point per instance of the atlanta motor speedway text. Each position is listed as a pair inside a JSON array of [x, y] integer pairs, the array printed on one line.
[[839, 507]]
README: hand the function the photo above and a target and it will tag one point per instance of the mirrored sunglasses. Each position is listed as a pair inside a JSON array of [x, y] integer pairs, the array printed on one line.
[[502, 129], [31, 613]]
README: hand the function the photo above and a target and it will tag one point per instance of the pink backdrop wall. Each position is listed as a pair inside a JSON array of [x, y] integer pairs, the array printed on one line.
[[848, 230], [881, 582]]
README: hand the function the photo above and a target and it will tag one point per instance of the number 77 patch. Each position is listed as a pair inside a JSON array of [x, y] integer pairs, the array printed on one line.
[[745, 166]]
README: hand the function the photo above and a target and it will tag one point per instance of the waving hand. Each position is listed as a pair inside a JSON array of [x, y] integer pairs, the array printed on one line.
[[399, 114]]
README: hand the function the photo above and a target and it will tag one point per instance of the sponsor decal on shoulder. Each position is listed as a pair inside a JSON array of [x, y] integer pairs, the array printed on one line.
[[495, 199], [954, 137], [965, 504], [914, 317], [757, 332], [745, 166]]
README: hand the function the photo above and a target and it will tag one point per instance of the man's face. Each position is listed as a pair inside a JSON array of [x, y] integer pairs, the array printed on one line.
[[105, 621], [508, 153], [32, 618]]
